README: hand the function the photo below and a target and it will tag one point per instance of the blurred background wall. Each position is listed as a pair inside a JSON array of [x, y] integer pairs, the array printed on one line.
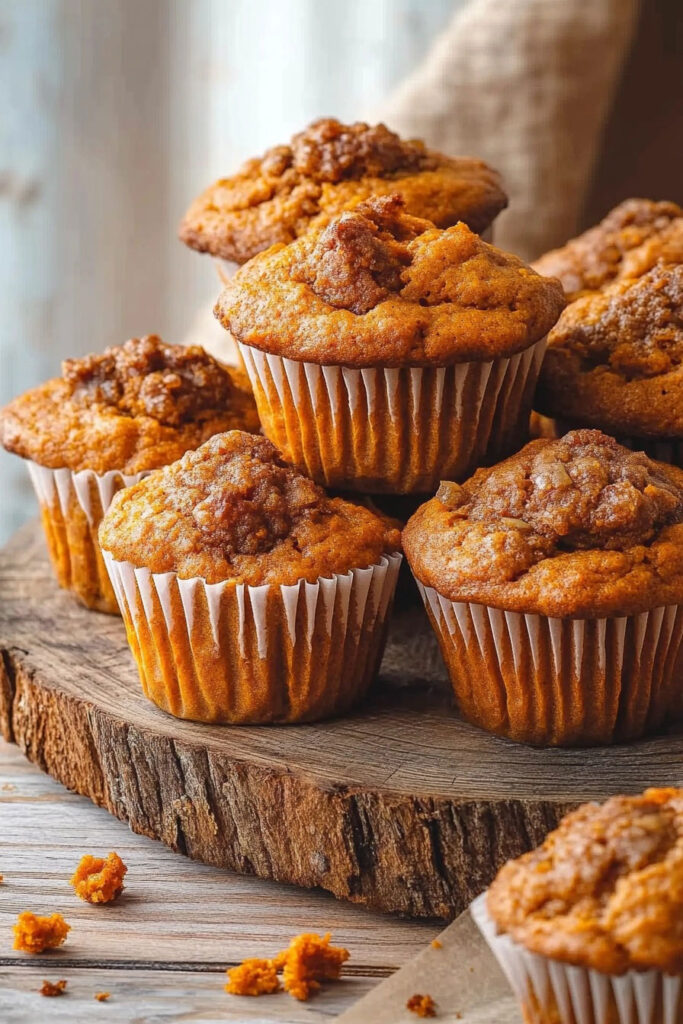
[[116, 113]]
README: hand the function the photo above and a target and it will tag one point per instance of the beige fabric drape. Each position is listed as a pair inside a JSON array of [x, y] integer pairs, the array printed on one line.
[[528, 86]]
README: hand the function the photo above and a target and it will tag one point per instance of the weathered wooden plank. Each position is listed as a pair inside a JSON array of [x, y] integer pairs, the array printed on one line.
[[401, 805]]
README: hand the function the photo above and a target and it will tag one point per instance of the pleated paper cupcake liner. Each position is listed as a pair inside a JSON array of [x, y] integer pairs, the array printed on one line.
[[661, 449], [561, 682], [552, 992], [229, 652], [72, 506], [399, 431]]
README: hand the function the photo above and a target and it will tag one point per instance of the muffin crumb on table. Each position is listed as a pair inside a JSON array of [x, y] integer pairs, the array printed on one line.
[[102, 997], [35, 934], [308, 961], [99, 879], [421, 1006], [53, 988]]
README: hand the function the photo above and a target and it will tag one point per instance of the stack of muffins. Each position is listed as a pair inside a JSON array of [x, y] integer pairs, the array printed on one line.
[[394, 355], [391, 354]]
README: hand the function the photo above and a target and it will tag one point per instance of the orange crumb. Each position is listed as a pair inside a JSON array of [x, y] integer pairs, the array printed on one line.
[[102, 997], [254, 977], [2, 879], [53, 988], [8, 787], [308, 961], [436, 944], [34, 934], [421, 1006], [97, 880]]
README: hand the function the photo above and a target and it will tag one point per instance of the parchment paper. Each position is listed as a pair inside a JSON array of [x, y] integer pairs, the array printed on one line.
[[462, 978]]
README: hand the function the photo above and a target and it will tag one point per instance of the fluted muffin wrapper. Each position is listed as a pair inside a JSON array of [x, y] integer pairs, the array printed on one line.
[[230, 652], [393, 430], [561, 682], [552, 992], [72, 506]]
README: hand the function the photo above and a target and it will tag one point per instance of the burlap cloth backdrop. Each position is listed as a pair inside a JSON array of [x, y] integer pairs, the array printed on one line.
[[527, 85]]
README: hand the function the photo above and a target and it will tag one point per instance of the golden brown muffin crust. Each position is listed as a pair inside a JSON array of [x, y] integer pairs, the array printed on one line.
[[578, 526], [233, 510], [325, 169], [605, 890], [615, 357], [596, 257], [380, 287], [132, 408]]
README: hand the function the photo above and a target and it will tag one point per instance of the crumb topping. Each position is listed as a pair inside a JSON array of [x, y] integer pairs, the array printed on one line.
[[329, 151], [605, 889], [599, 255], [99, 879], [634, 328], [145, 377], [574, 526], [233, 509], [34, 934]]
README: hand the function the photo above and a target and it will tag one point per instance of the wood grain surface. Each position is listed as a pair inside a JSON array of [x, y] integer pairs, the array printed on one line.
[[401, 805], [162, 948]]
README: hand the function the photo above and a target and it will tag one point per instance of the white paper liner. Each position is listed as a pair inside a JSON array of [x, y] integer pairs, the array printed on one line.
[[61, 486], [551, 680], [580, 995], [395, 429], [347, 611]]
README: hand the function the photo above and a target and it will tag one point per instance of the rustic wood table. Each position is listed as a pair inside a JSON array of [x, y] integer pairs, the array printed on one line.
[[161, 950]]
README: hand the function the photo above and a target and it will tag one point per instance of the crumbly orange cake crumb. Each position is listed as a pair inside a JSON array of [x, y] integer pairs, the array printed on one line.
[[102, 997], [435, 944], [98, 879], [2, 879], [254, 977], [308, 961], [33, 934], [421, 1006], [53, 988]]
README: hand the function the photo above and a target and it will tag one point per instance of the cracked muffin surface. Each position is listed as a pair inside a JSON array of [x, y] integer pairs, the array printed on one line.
[[234, 510], [379, 286], [601, 254], [615, 357], [133, 407], [604, 890], [328, 168], [578, 526]]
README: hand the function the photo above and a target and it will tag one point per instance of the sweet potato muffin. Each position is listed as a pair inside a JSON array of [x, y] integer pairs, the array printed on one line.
[[554, 582], [615, 357], [600, 898], [328, 168], [601, 254], [248, 594], [108, 419], [385, 352]]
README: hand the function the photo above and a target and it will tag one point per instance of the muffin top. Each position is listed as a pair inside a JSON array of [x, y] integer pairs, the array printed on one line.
[[575, 527], [615, 357], [233, 510], [596, 257], [132, 408], [325, 169], [605, 889], [378, 286]]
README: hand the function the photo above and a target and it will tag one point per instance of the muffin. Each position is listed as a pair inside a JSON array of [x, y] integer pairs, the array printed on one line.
[[386, 353], [554, 582], [247, 593], [328, 168], [600, 255], [106, 422], [588, 928], [615, 358]]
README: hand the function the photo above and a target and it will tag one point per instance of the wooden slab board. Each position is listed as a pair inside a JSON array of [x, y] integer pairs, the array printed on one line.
[[401, 805]]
